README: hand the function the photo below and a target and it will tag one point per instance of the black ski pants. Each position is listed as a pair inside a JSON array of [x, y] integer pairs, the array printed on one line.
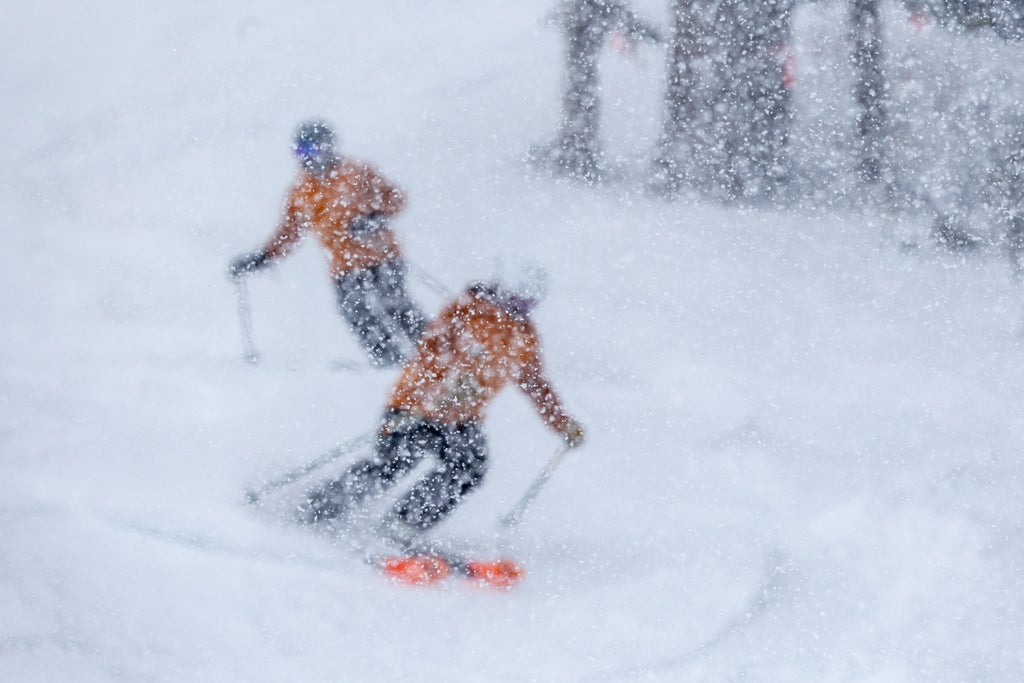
[[460, 454], [377, 307]]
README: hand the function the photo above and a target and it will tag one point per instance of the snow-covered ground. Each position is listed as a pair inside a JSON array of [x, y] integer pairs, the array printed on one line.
[[775, 396]]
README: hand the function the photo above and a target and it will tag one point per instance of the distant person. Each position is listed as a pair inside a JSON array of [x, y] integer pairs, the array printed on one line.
[[347, 204], [481, 342]]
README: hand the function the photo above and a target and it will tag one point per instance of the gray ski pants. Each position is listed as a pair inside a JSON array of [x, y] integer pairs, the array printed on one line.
[[460, 454], [377, 307]]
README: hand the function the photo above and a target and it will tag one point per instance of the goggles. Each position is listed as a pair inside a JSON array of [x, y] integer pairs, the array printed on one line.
[[308, 150]]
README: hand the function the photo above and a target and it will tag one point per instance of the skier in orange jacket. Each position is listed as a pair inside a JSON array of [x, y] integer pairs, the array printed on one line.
[[481, 342], [347, 203]]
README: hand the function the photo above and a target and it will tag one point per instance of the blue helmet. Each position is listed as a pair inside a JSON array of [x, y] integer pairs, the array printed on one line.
[[314, 146]]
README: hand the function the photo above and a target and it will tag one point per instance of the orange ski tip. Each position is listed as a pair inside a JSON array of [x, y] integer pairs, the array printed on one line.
[[497, 573], [417, 570]]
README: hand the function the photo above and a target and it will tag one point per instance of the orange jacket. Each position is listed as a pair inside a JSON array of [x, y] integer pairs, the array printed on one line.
[[327, 206], [466, 356]]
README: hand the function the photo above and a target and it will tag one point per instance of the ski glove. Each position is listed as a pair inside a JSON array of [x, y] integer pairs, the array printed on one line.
[[573, 434], [368, 224], [248, 263]]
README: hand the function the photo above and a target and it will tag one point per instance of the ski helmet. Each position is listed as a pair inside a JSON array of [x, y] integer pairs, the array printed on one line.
[[313, 144], [522, 286]]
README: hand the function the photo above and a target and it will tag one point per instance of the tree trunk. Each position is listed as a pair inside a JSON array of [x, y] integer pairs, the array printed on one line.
[[727, 104], [753, 133], [869, 89], [681, 110], [577, 151]]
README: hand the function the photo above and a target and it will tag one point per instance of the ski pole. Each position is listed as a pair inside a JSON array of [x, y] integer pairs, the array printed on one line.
[[249, 352], [516, 513], [430, 281], [252, 496]]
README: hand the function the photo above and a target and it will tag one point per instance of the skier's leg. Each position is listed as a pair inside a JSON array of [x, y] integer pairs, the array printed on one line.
[[395, 454], [357, 296], [462, 463], [389, 279]]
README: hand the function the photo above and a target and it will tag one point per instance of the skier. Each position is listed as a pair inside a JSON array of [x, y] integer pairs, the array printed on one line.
[[347, 203], [479, 343]]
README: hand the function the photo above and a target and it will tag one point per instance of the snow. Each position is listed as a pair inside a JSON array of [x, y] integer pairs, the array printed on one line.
[[760, 386]]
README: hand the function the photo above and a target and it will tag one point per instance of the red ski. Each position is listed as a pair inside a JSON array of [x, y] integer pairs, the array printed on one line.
[[430, 568]]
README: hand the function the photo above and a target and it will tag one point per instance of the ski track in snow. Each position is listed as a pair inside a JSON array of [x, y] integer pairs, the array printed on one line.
[[770, 592], [780, 383]]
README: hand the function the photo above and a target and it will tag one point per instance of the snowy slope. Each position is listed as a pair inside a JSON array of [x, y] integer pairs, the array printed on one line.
[[762, 388]]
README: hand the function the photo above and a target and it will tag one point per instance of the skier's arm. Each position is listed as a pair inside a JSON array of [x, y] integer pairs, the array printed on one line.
[[539, 390], [289, 232], [287, 235]]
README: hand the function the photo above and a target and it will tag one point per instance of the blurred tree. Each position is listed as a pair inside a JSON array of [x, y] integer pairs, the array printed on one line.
[[728, 102], [869, 89], [1005, 17], [954, 118], [1008, 181], [682, 111], [576, 151]]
